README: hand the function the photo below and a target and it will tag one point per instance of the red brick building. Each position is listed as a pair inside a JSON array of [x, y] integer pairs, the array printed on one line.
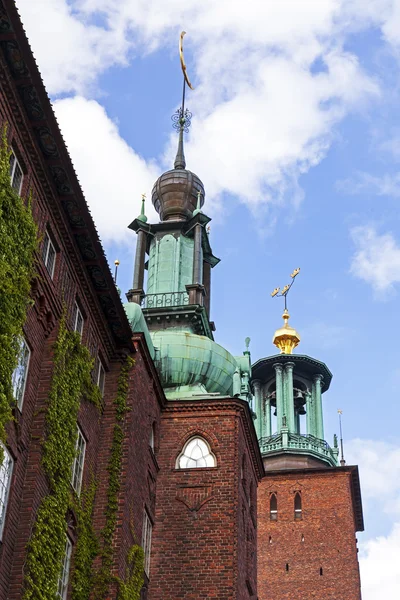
[[217, 518]]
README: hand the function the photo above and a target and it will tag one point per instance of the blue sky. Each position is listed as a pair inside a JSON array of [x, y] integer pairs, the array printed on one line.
[[296, 136]]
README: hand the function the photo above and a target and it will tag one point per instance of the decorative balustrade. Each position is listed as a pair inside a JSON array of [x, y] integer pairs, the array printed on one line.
[[165, 300], [294, 441]]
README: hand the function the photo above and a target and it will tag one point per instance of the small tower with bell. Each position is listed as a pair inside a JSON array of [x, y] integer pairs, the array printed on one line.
[[288, 392]]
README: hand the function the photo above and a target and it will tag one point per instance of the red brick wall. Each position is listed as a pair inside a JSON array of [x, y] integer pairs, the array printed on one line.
[[328, 528], [202, 515]]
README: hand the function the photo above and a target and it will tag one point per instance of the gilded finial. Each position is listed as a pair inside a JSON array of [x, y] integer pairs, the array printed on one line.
[[116, 263], [286, 338], [182, 117]]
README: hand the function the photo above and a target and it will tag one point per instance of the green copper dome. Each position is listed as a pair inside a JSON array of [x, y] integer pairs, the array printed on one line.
[[190, 363]]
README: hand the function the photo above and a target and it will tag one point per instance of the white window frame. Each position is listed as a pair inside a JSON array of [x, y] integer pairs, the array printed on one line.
[[20, 375], [63, 580], [186, 459], [49, 254], [14, 165], [79, 461], [78, 320], [6, 469], [101, 377], [146, 541]]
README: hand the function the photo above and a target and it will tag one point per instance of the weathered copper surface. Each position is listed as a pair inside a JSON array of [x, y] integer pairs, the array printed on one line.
[[174, 194]]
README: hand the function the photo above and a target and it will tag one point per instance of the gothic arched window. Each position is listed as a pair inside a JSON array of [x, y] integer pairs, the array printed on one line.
[[196, 454], [273, 507], [297, 507]]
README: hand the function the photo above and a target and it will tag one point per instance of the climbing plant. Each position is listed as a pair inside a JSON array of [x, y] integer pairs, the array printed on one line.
[[70, 382], [86, 547], [130, 588], [18, 242]]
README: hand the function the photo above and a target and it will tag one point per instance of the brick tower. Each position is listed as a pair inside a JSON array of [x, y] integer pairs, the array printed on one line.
[[204, 538], [309, 507]]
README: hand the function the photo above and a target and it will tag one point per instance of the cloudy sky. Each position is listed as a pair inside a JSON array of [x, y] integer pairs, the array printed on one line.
[[296, 136]]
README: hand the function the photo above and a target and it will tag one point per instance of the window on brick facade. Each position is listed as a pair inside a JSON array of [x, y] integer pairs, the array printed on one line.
[[62, 588], [6, 468], [16, 174], [77, 467], [196, 454], [146, 542], [152, 436], [273, 507], [21, 373], [297, 507], [101, 377], [77, 319], [49, 254]]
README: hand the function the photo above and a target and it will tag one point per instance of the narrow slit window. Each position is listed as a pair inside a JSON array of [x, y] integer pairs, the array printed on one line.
[[21, 373], [273, 507], [101, 377], [77, 467], [297, 507], [16, 174], [5, 483], [49, 254], [77, 319], [63, 579], [152, 436], [321, 571], [146, 542], [287, 567]]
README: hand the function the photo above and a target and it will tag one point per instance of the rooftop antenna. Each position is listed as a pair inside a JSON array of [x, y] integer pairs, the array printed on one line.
[[182, 116], [342, 461], [285, 290], [116, 263]]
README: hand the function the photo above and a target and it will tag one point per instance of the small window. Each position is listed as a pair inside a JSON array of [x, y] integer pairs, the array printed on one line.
[[297, 507], [16, 174], [196, 454], [273, 507], [63, 579], [5, 482], [77, 467], [152, 436], [101, 377], [146, 542], [21, 373], [77, 319], [321, 571], [49, 254]]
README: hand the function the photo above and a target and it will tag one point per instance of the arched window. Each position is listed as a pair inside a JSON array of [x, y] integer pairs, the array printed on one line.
[[297, 507], [273, 507], [196, 454]]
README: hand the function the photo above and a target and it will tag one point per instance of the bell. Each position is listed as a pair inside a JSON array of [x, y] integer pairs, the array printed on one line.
[[275, 413], [301, 411]]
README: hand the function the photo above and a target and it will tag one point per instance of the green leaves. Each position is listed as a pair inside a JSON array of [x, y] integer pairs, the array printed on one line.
[[71, 381], [18, 242]]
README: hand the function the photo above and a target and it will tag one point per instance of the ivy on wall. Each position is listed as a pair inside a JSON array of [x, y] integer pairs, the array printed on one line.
[[71, 381], [18, 242], [86, 547], [131, 587]]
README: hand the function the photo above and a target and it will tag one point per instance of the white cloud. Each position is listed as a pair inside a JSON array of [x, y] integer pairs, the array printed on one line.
[[365, 183], [379, 464], [379, 566], [112, 175], [263, 114], [376, 259]]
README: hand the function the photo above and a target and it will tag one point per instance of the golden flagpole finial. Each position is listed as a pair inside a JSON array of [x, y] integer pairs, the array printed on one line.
[[286, 338]]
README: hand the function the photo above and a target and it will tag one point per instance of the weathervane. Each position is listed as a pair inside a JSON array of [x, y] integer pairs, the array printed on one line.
[[182, 117], [285, 290]]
